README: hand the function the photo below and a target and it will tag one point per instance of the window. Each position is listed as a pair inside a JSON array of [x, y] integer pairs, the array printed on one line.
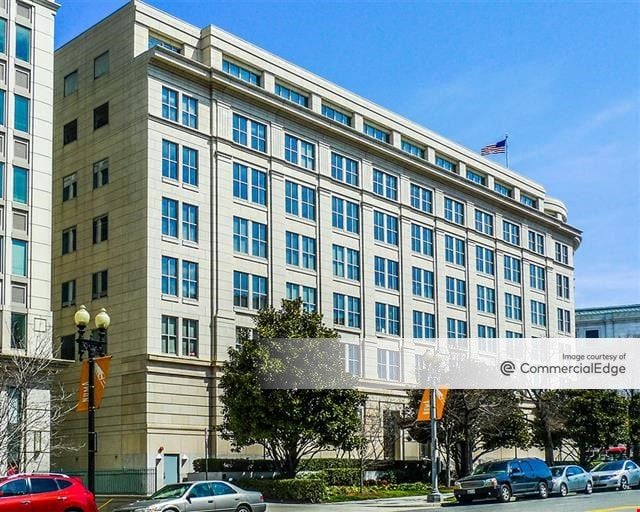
[[240, 289], [100, 229], [169, 160], [377, 133], [169, 276], [385, 185], [456, 292], [245, 179], [352, 268], [446, 164], [562, 253], [308, 294], [387, 319], [69, 187], [538, 313], [421, 240], [190, 222], [20, 185], [484, 260], [21, 113], [241, 237], [101, 173], [503, 189], [68, 294], [412, 149], [240, 72], [344, 169], [527, 201], [156, 41], [170, 217], [454, 250], [3, 35], [346, 310], [101, 116], [388, 364], [70, 132], [424, 325], [1, 179], [189, 166], [293, 250], [422, 282], [258, 292], [536, 242], [349, 221], [486, 332], [23, 43], [99, 284], [189, 111], [511, 269], [510, 232], [299, 152], [476, 177], [385, 227], [189, 337], [453, 211], [189, 280], [486, 299], [513, 334], [456, 328], [564, 320], [300, 200], [484, 222], [71, 83], [169, 104], [292, 95], [2, 106], [536, 277], [562, 286], [336, 115], [169, 335], [352, 357], [101, 65], [19, 331], [386, 273], [69, 240], [421, 198]]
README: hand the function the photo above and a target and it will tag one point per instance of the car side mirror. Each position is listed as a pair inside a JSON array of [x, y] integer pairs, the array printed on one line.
[[188, 498], [515, 472]]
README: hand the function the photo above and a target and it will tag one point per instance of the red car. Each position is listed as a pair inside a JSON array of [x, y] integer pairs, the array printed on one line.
[[45, 492]]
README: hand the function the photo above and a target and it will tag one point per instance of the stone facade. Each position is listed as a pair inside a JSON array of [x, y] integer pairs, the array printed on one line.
[[172, 86], [608, 322]]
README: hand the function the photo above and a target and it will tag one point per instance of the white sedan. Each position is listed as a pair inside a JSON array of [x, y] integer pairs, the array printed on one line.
[[617, 474]]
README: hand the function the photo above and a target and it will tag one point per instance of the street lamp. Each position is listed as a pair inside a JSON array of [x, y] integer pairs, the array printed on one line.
[[93, 348]]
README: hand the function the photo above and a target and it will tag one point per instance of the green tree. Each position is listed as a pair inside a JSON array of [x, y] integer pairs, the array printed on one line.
[[594, 419], [291, 424], [547, 420], [634, 423]]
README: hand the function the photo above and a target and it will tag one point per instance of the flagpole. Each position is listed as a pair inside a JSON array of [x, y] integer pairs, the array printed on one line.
[[506, 150]]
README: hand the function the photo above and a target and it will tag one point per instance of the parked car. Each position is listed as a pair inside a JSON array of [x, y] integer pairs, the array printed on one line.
[[505, 478], [617, 474], [208, 496], [571, 478], [52, 492]]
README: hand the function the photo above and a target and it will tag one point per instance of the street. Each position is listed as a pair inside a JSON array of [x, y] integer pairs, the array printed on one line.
[[605, 501]]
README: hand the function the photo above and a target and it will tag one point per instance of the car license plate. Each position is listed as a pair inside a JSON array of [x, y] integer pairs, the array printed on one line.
[[471, 491]]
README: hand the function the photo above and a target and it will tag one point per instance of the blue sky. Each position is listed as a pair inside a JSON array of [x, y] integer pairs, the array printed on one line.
[[561, 78]]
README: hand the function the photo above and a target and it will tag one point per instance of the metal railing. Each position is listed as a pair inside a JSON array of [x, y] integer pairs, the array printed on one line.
[[138, 482]]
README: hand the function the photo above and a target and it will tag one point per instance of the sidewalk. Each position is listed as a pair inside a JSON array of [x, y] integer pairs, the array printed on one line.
[[409, 504]]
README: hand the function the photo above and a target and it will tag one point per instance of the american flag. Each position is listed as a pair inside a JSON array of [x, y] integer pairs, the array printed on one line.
[[491, 149]]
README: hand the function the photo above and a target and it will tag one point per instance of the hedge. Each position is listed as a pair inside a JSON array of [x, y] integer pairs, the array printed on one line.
[[322, 464], [200, 465], [307, 490], [343, 476]]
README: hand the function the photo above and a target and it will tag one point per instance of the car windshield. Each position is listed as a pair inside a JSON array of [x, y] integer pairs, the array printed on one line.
[[491, 467], [557, 471], [170, 491], [610, 466]]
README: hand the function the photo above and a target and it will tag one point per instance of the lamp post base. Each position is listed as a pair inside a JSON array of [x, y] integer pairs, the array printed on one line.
[[434, 497]]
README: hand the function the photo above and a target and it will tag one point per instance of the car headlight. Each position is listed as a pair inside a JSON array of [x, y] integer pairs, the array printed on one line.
[[457, 485], [490, 482]]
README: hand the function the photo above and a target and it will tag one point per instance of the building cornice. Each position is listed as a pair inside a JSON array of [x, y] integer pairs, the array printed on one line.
[[630, 309]]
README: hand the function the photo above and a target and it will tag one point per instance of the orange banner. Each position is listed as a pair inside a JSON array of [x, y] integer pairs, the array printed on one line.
[[424, 411], [100, 374]]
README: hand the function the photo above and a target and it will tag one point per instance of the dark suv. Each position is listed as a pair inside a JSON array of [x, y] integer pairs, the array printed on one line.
[[502, 479]]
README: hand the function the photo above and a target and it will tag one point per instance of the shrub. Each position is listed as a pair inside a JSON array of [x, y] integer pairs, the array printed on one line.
[[200, 465], [312, 475], [308, 490], [343, 476], [321, 464]]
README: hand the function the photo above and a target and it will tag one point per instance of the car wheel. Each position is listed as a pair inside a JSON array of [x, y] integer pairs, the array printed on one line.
[[244, 508], [589, 488], [543, 490], [564, 490], [505, 493], [624, 484]]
